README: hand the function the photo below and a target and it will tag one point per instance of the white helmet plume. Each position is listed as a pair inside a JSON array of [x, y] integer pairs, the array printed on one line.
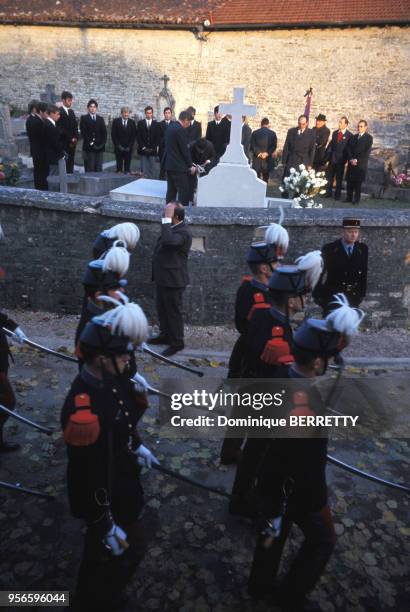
[[121, 301], [312, 264], [276, 234], [128, 320], [128, 232], [345, 319], [117, 260]]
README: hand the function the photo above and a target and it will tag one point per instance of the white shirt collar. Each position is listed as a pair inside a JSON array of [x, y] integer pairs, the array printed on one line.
[[65, 108], [52, 121]]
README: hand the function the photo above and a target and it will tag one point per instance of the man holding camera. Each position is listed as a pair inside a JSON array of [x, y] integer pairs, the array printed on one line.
[[170, 274]]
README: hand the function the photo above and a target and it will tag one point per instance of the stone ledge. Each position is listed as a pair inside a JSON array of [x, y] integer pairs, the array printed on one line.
[[11, 196]]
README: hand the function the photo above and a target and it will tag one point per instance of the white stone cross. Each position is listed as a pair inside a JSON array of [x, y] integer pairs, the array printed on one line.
[[234, 153]]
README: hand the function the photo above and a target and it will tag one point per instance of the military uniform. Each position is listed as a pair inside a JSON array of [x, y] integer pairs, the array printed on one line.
[[342, 274], [99, 419], [291, 487]]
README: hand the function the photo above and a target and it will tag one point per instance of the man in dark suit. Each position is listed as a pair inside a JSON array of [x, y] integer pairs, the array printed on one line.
[[336, 154], [194, 130], [163, 126], [94, 133], [123, 134], [322, 133], [148, 137], [35, 133], [178, 161], [263, 145], [246, 137], [299, 147], [345, 268], [170, 274], [358, 152], [53, 139], [69, 129], [218, 132]]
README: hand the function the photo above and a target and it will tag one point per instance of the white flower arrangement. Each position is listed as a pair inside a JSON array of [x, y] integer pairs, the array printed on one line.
[[303, 185]]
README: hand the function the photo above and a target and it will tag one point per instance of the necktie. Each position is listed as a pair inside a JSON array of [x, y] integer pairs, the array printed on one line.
[[349, 250], [124, 123], [339, 136]]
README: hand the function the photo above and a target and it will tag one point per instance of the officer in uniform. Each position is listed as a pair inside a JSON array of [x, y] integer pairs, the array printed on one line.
[[268, 353], [291, 484], [99, 420], [253, 294], [128, 233], [345, 267]]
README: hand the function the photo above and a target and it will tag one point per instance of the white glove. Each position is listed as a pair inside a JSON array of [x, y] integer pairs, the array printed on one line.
[[116, 540], [141, 385], [145, 457], [20, 335]]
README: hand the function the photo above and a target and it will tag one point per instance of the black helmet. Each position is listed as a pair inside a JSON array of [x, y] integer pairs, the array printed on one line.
[[315, 337], [99, 338], [288, 279], [97, 280], [261, 252]]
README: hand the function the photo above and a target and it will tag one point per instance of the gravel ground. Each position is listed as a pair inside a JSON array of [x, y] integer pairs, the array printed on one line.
[[59, 329]]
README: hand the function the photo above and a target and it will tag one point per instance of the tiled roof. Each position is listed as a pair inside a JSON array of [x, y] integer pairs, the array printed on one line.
[[220, 13]]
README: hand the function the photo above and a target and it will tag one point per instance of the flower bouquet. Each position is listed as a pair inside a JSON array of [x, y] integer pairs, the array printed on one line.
[[303, 185], [401, 180], [9, 173]]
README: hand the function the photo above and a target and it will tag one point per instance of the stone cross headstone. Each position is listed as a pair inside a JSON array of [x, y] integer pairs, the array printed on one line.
[[233, 183], [165, 98], [8, 146], [49, 96], [234, 152]]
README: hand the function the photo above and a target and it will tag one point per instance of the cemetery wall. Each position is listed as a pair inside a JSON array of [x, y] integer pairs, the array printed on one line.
[[49, 238], [358, 71]]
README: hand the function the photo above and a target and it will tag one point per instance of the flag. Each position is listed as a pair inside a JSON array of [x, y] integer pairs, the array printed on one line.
[[308, 95]]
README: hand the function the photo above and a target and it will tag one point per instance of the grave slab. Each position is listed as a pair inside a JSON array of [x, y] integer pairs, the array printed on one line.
[[146, 191]]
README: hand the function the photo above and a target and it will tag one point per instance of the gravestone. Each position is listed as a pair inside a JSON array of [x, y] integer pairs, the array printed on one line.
[[146, 191], [8, 146], [49, 95], [233, 183], [164, 99]]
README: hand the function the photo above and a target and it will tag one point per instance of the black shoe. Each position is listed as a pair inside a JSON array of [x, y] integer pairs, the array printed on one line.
[[158, 340], [337, 197], [9, 448], [328, 195], [347, 200], [171, 350]]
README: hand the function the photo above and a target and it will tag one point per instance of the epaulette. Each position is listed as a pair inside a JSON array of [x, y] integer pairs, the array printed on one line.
[[83, 426], [301, 406], [277, 350], [255, 307], [246, 279]]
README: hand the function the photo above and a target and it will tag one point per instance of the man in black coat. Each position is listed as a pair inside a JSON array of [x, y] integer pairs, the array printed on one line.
[[322, 133], [358, 152], [345, 268], [123, 134], [148, 137], [299, 147], [53, 139], [246, 137], [336, 154], [170, 274], [194, 130], [178, 161], [163, 126], [218, 132], [94, 133], [35, 133], [69, 129], [263, 145]]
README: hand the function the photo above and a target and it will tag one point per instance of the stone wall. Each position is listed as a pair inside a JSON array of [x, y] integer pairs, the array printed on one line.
[[358, 71], [49, 239]]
